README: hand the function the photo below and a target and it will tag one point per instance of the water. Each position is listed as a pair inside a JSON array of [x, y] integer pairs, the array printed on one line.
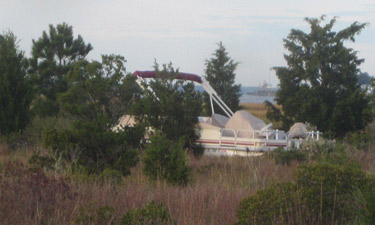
[[245, 98]]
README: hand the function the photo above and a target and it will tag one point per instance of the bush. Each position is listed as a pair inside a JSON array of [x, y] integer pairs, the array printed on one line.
[[327, 190], [42, 161], [359, 140], [269, 206], [366, 203], [96, 147], [322, 194], [152, 214], [166, 160], [285, 157]]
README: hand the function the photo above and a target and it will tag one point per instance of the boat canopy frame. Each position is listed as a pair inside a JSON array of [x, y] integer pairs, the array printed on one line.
[[214, 97]]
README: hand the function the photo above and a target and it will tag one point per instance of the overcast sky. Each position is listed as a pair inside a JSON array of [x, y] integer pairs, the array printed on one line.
[[186, 33]]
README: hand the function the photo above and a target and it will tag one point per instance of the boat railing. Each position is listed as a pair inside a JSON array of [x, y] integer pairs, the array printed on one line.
[[230, 130]]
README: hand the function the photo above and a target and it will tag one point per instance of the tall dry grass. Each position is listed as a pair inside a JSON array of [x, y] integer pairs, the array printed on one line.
[[34, 196], [218, 184]]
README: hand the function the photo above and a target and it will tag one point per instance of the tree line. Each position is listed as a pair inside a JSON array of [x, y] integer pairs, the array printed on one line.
[[58, 81], [319, 86]]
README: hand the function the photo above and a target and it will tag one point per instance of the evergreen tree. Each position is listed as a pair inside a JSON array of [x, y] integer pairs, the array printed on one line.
[[319, 85], [15, 88], [53, 55], [99, 94], [172, 107], [220, 73]]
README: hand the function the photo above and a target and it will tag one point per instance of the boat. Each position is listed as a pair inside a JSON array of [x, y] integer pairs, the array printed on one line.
[[235, 133], [264, 89]]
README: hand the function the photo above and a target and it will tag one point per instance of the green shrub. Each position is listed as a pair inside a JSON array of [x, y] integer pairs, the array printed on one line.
[[327, 190], [152, 214], [42, 161], [285, 157], [359, 140], [166, 160], [95, 146], [322, 194], [272, 205], [366, 203]]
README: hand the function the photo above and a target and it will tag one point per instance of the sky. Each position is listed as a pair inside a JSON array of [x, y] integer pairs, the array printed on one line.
[[186, 33]]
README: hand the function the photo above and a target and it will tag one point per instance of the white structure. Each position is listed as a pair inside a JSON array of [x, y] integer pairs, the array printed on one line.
[[237, 133]]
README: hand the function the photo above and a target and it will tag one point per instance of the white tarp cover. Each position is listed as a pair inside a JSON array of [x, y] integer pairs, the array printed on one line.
[[298, 130], [243, 120], [124, 121], [219, 120], [206, 126]]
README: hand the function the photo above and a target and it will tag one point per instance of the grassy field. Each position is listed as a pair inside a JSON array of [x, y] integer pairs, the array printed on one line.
[[257, 109], [30, 195], [37, 196]]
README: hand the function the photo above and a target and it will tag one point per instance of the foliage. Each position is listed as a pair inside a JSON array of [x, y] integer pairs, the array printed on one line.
[[277, 117], [220, 73], [327, 191], [152, 214], [322, 194], [99, 94], [273, 205], [42, 161], [165, 159], [319, 85], [359, 140], [366, 202], [170, 106], [364, 79], [285, 157], [15, 86], [53, 55]]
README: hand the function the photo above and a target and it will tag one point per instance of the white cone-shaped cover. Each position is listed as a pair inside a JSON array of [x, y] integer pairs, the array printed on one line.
[[242, 120], [219, 120], [298, 130]]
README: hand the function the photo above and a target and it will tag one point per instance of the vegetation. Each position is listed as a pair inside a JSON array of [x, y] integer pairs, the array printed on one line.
[[53, 55], [166, 159], [364, 79], [319, 85], [98, 95], [15, 86], [220, 73], [322, 194], [74, 168], [171, 107], [152, 214]]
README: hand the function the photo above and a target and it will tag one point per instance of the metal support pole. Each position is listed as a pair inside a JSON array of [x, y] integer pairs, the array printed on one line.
[[212, 105]]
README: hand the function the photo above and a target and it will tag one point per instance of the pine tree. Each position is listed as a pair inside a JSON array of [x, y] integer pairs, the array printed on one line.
[[172, 108], [15, 88], [53, 55], [220, 73], [319, 85]]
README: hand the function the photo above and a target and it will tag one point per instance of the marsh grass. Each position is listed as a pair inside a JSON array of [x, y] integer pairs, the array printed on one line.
[[36, 196], [212, 197], [257, 109]]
